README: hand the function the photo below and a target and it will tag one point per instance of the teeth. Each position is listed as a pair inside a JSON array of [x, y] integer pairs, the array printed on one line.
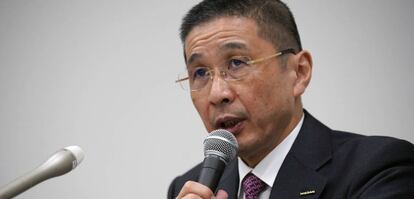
[[229, 123]]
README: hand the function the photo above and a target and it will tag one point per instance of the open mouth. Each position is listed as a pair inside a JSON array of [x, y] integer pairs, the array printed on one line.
[[234, 125], [229, 124]]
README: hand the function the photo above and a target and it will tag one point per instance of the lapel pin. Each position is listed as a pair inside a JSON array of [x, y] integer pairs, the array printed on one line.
[[305, 193]]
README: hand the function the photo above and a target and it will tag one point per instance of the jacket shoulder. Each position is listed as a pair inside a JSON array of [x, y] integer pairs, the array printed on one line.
[[370, 145], [373, 165], [179, 181]]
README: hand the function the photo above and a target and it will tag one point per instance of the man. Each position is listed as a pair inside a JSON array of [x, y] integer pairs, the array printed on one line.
[[247, 71]]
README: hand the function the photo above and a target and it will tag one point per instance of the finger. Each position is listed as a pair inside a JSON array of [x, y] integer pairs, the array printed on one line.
[[191, 196], [195, 188]]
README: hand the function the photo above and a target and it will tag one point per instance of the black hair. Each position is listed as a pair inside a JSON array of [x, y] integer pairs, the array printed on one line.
[[273, 17]]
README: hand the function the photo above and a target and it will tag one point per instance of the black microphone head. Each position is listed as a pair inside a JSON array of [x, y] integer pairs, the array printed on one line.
[[221, 143]]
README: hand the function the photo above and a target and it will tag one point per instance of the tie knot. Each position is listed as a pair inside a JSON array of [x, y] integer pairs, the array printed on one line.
[[252, 186]]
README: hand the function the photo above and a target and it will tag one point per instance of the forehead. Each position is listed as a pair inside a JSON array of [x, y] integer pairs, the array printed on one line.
[[223, 33]]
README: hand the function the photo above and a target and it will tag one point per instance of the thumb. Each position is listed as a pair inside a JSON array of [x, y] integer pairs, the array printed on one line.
[[221, 194]]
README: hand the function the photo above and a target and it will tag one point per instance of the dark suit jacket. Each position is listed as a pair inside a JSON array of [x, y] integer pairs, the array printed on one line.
[[328, 164]]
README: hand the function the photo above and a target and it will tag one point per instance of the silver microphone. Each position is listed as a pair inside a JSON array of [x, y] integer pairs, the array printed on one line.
[[220, 148], [58, 164]]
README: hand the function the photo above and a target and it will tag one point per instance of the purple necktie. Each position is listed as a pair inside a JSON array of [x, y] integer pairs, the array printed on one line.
[[252, 186]]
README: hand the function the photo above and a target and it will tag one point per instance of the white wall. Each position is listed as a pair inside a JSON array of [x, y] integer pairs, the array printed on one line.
[[100, 74]]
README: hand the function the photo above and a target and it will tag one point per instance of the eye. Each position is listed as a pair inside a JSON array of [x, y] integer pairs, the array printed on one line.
[[199, 73], [237, 63]]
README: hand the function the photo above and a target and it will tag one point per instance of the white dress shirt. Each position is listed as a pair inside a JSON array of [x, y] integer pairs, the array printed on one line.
[[268, 168]]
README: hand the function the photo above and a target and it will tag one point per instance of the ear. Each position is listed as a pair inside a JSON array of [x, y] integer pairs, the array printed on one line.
[[303, 71]]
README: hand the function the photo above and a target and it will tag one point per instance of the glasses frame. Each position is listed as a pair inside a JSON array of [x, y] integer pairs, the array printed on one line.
[[251, 62]]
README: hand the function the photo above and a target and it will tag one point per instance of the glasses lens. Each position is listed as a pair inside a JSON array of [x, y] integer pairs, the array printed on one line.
[[199, 77], [238, 67]]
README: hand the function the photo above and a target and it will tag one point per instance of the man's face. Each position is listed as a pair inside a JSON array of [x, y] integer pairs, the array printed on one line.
[[258, 109]]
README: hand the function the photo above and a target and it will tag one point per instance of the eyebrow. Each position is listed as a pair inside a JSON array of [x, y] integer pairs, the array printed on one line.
[[233, 45], [227, 46], [193, 58]]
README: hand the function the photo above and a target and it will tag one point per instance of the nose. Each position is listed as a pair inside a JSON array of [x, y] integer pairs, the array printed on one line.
[[220, 91]]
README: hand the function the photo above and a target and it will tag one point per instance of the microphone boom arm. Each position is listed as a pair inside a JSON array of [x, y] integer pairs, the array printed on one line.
[[58, 164]]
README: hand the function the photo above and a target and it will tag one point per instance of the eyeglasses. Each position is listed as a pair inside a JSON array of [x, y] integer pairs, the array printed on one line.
[[235, 69]]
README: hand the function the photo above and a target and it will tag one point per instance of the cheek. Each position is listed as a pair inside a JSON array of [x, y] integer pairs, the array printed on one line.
[[262, 94], [201, 106], [265, 100]]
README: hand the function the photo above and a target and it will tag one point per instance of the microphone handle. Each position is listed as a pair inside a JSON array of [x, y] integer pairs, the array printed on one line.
[[211, 171], [60, 163]]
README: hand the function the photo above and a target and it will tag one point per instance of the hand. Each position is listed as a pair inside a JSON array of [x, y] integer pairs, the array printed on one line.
[[195, 190]]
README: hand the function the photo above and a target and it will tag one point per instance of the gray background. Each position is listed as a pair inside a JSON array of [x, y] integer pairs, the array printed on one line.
[[100, 74]]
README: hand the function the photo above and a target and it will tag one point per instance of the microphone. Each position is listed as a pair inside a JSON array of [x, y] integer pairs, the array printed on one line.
[[58, 164], [220, 147]]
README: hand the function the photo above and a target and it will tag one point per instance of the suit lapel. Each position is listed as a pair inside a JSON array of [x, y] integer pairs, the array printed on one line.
[[297, 181], [298, 177]]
